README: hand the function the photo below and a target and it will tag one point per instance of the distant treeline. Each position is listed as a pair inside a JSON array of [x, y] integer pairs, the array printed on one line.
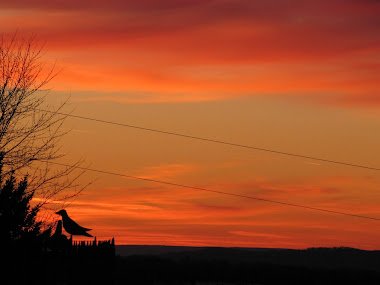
[[328, 258], [158, 270], [247, 266]]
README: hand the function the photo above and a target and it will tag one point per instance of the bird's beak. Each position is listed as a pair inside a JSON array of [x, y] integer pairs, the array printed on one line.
[[57, 213]]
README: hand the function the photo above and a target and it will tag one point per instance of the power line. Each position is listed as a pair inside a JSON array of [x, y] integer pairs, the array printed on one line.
[[216, 191], [215, 141]]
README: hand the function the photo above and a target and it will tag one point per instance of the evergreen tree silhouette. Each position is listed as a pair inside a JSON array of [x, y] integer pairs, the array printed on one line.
[[21, 242], [17, 216]]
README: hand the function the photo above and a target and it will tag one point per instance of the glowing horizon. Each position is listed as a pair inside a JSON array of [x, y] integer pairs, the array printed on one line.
[[290, 76]]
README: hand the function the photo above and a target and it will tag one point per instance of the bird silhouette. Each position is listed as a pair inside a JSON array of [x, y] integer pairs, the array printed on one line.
[[72, 227], [58, 241], [58, 229]]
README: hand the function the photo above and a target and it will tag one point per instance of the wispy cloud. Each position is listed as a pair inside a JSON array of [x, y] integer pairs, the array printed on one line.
[[161, 214], [255, 234], [209, 50], [167, 171]]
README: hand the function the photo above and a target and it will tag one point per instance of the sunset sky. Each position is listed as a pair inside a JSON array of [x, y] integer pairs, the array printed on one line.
[[295, 76]]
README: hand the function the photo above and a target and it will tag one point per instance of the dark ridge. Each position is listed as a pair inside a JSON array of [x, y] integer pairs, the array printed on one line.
[[216, 265], [324, 258]]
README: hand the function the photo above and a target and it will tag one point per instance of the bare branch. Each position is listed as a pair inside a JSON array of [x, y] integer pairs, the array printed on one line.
[[29, 137]]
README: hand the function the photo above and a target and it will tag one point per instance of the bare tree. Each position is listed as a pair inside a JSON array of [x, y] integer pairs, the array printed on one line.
[[29, 135]]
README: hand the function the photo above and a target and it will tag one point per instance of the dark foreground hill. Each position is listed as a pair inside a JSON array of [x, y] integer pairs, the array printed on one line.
[[197, 265]]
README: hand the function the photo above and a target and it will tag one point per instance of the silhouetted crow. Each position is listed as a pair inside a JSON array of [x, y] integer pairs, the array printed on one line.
[[58, 229], [72, 227], [58, 241]]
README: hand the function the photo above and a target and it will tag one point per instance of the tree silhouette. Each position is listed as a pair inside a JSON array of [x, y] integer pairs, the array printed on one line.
[[30, 129], [17, 216]]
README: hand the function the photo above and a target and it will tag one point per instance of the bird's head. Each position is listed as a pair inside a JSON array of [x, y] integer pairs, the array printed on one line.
[[62, 213]]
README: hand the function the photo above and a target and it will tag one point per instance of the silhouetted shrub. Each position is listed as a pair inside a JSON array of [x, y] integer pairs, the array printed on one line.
[[17, 217]]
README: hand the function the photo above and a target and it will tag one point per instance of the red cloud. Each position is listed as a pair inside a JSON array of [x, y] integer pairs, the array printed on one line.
[[167, 215], [209, 50]]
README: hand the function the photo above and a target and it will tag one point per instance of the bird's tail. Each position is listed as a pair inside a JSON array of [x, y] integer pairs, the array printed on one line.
[[87, 235]]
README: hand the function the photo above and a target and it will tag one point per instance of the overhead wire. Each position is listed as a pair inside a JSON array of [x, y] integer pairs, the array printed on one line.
[[217, 191], [217, 141]]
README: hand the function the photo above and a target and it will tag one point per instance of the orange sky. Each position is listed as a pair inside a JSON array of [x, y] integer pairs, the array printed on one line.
[[295, 76]]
